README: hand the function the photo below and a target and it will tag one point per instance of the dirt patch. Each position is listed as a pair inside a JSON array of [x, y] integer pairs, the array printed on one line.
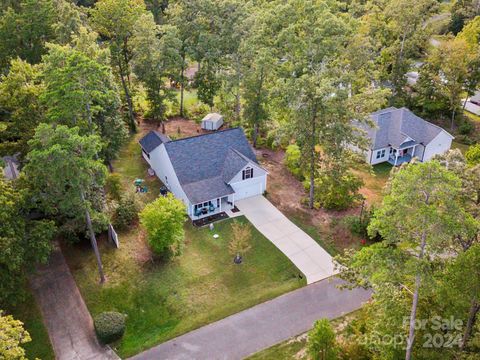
[[287, 194], [177, 127]]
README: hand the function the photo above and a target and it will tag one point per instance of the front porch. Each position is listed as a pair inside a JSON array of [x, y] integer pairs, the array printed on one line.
[[211, 208]]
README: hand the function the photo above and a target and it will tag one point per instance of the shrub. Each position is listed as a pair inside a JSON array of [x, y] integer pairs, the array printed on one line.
[[163, 220], [114, 186], [466, 128], [292, 160], [321, 341], [109, 326], [126, 211], [473, 154], [337, 193]]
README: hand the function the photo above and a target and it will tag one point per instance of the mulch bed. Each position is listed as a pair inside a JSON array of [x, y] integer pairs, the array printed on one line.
[[210, 219], [235, 209]]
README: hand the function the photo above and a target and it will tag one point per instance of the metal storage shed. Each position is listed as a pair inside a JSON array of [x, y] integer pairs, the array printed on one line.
[[212, 121]]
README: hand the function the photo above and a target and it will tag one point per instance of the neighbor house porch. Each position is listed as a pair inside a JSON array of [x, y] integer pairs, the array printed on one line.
[[402, 155]]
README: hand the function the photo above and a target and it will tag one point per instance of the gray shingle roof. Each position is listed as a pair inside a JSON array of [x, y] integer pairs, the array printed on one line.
[[203, 163], [395, 126], [234, 162], [153, 140], [208, 189]]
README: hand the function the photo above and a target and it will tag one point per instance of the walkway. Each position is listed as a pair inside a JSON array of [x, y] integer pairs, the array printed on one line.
[[66, 317], [261, 326], [309, 257]]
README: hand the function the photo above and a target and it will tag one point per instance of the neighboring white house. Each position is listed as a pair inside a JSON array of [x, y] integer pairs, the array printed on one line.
[[399, 135], [207, 172], [212, 121], [472, 104]]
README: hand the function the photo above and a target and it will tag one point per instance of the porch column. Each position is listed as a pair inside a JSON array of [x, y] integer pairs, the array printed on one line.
[[220, 204], [413, 150], [233, 199], [396, 158]]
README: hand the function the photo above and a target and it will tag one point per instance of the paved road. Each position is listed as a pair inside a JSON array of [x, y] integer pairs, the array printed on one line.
[[261, 326], [309, 257], [68, 321]]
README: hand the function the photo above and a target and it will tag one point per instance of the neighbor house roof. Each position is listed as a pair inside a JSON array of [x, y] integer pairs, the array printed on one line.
[[153, 140], [400, 128], [213, 117], [204, 164]]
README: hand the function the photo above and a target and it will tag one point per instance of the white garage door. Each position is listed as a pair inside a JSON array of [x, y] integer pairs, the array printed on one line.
[[243, 192]]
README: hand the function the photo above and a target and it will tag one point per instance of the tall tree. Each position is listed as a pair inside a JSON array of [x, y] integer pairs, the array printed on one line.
[[12, 338], [64, 176], [156, 57], [23, 243], [461, 281], [420, 213], [115, 20], [26, 27], [22, 110], [455, 63], [80, 91]]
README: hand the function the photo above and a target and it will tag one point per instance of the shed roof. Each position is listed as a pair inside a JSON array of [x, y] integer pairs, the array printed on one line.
[[213, 117]]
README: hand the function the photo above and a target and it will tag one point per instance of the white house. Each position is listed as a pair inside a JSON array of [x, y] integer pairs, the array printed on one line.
[[212, 121], [399, 135], [208, 172]]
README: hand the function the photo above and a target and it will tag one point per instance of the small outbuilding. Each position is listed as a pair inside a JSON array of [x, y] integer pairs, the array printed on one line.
[[212, 121]]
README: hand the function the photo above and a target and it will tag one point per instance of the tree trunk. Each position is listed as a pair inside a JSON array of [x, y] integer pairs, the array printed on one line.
[[131, 117], [163, 127], [255, 134], [182, 85], [312, 160], [472, 316], [413, 313], [237, 106], [93, 240], [453, 120]]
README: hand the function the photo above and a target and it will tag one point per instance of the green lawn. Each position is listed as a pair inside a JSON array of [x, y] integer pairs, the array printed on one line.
[[457, 145], [29, 313], [163, 300]]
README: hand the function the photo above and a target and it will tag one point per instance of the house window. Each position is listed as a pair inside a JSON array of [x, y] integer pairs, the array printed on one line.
[[380, 153], [247, 173], [391, 151]]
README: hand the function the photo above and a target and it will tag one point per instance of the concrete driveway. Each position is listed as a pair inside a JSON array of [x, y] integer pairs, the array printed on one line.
[[309, 257]]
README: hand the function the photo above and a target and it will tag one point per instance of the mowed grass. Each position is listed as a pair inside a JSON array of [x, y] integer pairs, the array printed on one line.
[[165, 299], [29, 313], [374, 182]]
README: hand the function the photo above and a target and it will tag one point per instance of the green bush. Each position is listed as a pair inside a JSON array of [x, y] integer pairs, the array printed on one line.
[[126, 212], [466, 128], [337, 193], [292, 160], [109, 326], [114, 186], [163, 219], [473, 154]]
